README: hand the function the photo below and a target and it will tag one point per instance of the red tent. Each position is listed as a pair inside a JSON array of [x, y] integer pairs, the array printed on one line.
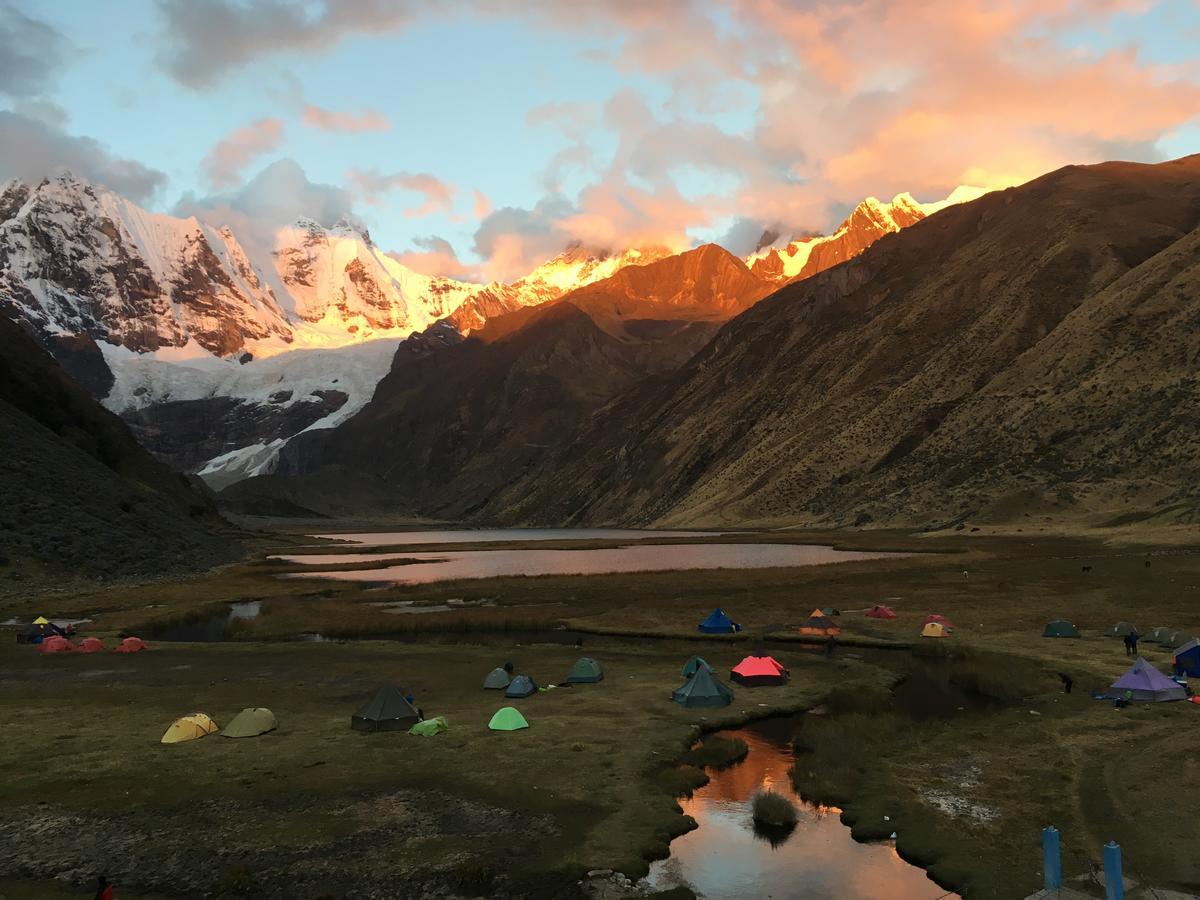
[[90, 645], [939, 619], [759, 670], [881, 612], [130, 645], [55, 644]]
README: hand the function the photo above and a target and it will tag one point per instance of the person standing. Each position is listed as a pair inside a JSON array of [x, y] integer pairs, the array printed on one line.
[[104, 890]]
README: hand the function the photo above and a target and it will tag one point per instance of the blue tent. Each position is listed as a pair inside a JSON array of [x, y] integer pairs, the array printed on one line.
[[1187, 659], [719, 623]]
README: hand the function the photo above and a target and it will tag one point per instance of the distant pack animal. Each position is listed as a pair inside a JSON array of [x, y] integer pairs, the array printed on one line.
[[1087, 568]]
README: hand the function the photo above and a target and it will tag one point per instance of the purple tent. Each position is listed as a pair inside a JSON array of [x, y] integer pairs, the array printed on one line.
[[1144, 682]]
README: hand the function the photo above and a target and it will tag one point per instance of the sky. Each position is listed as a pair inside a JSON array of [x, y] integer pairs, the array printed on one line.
[[477, 139]]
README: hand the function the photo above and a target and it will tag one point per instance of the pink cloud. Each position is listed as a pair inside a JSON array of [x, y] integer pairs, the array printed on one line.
[[332, 120], [438, 259], [239, 148], [438, 194], [483, 205]]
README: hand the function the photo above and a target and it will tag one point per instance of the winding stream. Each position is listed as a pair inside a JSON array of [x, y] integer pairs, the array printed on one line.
[[725, 859]]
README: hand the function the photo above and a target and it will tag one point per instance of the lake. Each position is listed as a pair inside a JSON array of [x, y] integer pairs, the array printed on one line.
[[480, 535], [459, 564], [726, 859]]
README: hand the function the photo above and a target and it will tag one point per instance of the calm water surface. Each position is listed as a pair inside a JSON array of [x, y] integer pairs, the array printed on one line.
[[724, 859], [479, 535], [456, 564]]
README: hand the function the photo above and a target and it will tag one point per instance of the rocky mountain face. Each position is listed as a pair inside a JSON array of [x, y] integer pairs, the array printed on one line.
[[450, 428], [81, 497], [1031, 353]]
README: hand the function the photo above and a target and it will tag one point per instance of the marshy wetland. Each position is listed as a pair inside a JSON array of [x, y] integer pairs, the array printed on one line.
[[963, 747]]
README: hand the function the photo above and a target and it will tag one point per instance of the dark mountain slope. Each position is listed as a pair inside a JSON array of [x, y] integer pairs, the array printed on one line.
[[80, 495], [975, 364]]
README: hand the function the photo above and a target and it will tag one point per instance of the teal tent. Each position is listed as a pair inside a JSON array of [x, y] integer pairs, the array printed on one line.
[[1060, 628], [692, 665], [521, 686], [497, 680], [701, 690], [585, 671]]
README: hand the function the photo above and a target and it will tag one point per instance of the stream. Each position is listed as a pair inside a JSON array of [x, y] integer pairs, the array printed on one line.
[[727, 859]]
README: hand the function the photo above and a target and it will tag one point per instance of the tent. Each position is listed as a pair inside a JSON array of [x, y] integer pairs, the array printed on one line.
[[250, 722], [880, 611], [935, 630], [1144, 682], [756, 671], [585, 671], [941, 620], [130, 645], [189, 728], [41, 620], [1187, 659], [830, 611], [690, 667], [719, 623], [1179, 639], [508, 719], [1060, 628], [386, 711], [702, 690], [55, 644], [819, 625], [1160, 635], [34, 634], [497, 680], [90, 645], [521, 686], [430, 727], [1121, 629]]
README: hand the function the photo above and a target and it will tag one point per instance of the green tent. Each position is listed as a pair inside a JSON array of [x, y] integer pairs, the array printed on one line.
[[690, 667], [1179, 638], [497, 680], [1160, 635], [386, 711], [507, 719], [430, 727], [703, 689], [250, 722], [830, 611], [585, 671], [1121, 629], [1060, 628]]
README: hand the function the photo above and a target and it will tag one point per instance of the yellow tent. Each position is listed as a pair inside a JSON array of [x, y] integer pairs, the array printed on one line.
[[189, 728], [935, 629], [41, 620]]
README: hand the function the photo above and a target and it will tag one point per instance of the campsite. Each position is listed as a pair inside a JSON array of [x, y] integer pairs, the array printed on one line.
[[592, 771]]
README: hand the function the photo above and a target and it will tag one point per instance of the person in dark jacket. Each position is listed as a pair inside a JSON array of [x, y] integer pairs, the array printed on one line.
[[104, 890], [1067, 682]]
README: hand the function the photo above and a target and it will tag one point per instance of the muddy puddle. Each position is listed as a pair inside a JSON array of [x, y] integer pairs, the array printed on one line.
[[727, 858]]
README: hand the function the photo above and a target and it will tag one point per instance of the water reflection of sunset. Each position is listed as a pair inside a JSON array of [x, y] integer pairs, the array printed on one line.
[[724, 859]]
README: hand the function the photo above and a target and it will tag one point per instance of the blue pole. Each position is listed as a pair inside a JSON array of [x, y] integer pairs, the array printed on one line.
[[1051, 859], [1114, 884]]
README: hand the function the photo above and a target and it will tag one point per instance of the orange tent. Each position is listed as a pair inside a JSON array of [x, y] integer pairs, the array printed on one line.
[[55, 644], [90, 645], [819, 625], [881, 612], [130, 645], [759, 670]]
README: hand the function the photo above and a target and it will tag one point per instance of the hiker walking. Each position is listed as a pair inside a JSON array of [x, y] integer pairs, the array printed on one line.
[[1128, 644], [1067, 682]]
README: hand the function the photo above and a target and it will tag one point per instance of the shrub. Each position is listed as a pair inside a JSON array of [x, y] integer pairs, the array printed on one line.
[[774, 810]]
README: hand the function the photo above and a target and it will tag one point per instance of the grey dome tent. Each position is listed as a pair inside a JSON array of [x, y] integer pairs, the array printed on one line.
[[521, 686], [386, 711], [497, 680], [703, 689], [585, 671], [1121, 629], [1160, 635], [1180, 639]]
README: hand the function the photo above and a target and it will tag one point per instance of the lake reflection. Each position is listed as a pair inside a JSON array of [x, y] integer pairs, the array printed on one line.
[[456, 564], [724, 859], [480, 535]]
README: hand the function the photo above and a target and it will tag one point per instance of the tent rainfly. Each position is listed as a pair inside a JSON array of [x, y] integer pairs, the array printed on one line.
[[585, 671], [251, 722], [191, 727], [703, 690], [690, 667], [1144, 682], [756, 671], [430, 727], [497, 680], [386, 711], [819, 625], [521, 686], [935, 630], [879, 611], [719, 623], [1060, 628], [508, 719]]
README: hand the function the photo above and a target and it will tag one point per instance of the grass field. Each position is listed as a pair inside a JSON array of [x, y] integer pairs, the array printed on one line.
[[591, 782]]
